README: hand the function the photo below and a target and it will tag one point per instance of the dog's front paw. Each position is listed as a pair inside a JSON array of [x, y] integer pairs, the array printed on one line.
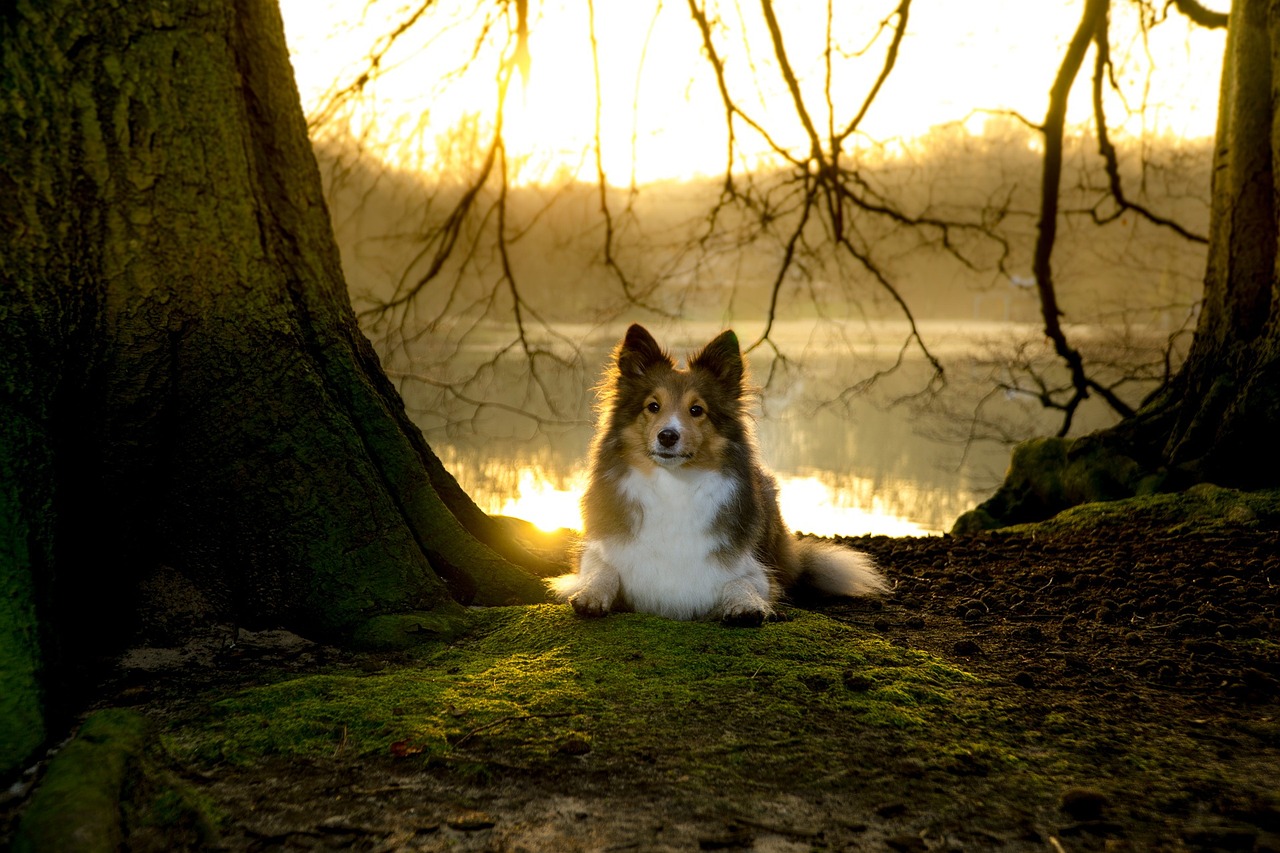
[[743, 618], [743, 606], [589, 605]]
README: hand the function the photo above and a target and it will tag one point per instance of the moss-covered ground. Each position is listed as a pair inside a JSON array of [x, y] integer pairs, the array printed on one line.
[[1108, 681], [532, 684]]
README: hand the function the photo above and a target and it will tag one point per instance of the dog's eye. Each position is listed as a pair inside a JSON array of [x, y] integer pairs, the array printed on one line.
[[697, 411], [654, 407]]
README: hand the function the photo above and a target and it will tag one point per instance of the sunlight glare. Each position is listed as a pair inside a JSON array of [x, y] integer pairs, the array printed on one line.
[[659, 100], [811, 506], [545, 505], [808, 504]]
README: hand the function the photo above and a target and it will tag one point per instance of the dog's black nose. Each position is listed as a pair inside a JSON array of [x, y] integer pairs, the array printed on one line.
[[668, 438]]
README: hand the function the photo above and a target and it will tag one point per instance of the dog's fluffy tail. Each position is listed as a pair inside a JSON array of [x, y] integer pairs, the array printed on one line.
[[564, 586], [838, 570]]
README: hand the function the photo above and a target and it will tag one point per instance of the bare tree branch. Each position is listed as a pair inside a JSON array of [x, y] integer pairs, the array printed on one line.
[[731, 107], [1101, 69], [1199, 14], [787, 257], [938, 372], [903, 12], [1051, 180], [602, 184], [793, 85]]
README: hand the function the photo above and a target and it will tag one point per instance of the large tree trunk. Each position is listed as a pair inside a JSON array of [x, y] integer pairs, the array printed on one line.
[[1218, 418], [185, 392]]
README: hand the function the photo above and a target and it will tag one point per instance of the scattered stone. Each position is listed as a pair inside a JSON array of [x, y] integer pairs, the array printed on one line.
[[1084, 804], [732, 838], [906, 844], [966, 648], [1031, 633], [473, 821]]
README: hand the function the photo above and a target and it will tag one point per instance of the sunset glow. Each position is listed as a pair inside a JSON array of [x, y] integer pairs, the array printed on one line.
[[543, 503], [808, 503], [659, 100]]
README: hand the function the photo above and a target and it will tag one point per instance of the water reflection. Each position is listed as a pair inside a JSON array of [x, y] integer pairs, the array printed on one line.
[[546, 503], [809, 503], [861, 469], [839, 474], [813, 505]]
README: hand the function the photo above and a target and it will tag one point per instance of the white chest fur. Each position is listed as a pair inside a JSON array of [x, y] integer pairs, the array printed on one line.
[[669, 565]]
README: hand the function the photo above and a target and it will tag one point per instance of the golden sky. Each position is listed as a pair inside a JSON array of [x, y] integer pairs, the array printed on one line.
[[658, 97]]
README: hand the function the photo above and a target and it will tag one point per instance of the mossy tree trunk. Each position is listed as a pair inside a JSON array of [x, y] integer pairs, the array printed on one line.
[[183, 386], [1218, 419]]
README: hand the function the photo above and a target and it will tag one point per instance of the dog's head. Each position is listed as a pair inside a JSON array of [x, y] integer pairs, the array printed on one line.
[[673, 417]]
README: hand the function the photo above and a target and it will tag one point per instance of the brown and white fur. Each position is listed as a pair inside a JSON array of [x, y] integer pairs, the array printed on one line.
[[680, 517]]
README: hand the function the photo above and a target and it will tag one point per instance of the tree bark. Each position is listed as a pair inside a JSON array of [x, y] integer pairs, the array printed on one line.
[[1225, 402], [185, 387], [1217, 419]]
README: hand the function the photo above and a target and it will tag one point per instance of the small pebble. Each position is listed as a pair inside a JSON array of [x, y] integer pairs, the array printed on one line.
[[906, 844], [1084, 803], [471, 822]]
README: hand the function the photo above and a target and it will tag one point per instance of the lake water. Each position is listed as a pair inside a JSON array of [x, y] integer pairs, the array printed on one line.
[[839, 474], [856, 467]]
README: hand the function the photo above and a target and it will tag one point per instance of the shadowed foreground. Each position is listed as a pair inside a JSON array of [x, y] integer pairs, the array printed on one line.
[[1103, 683]]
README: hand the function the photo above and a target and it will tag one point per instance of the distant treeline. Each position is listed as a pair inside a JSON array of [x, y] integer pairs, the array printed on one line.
[[677, 248]]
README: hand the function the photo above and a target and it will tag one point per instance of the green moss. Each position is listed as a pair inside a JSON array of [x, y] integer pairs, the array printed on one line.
[[397, 631], [1081, 482], [109, 780], [1048, 475], [21, 698], [1202, 507], [77, 804], [531, 680], [807, 705], [21, 720]]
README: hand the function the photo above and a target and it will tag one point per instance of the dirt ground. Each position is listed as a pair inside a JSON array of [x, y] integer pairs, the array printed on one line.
[[1088, 642]]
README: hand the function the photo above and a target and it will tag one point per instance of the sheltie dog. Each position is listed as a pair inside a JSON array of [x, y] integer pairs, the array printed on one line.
[[680, 517]]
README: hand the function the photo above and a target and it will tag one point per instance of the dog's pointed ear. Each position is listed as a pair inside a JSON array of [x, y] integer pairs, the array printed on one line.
[[722, 358], [639, 351]]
